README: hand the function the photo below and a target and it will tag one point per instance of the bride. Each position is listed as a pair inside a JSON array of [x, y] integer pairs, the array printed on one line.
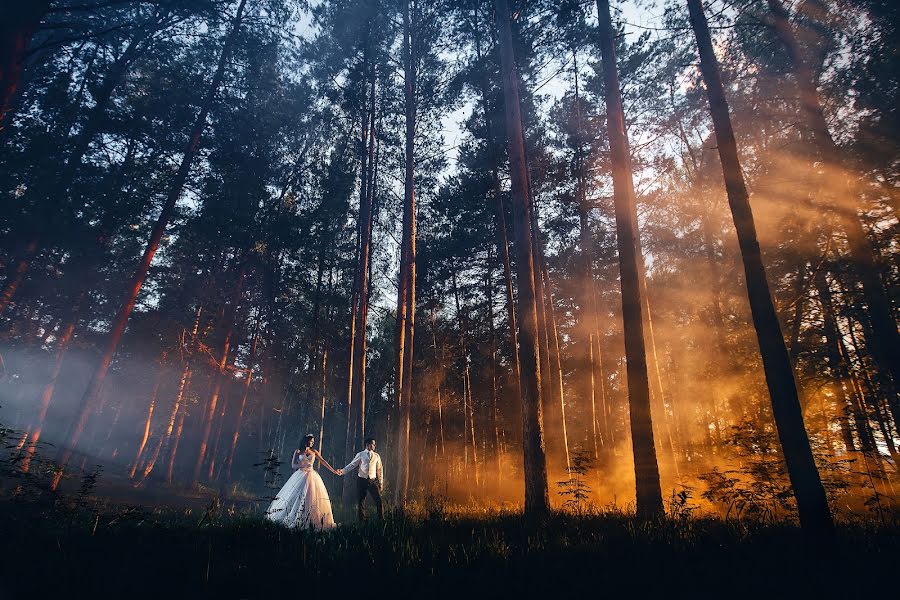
[[303, 500]]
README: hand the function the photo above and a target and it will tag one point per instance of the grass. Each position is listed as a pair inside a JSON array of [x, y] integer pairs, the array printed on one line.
[[119, 552]]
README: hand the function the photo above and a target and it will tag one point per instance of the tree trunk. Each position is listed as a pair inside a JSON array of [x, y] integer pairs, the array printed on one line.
[[407, 287], [537, 499], [356, 403], [495, 410], [589, 321], [649, 494], [815, 515], [149, 420], [220, 374], [839, 369], [62, 346], [557, 390], [499, 213], [184, 382], [171, 468], [468, 400], [120, 321]]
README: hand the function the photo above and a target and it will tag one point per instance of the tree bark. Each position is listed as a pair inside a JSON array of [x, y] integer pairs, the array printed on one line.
[[495, 410], [537, 499], [649, 494], [499, 213], [589, 321], [815, 515], [407, 287], [149, 420], [184, 382], [356, 403], [50, 388], [555, 379], [91, 395]]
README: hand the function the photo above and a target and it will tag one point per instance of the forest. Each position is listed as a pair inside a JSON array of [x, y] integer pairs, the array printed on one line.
[[628, 268]]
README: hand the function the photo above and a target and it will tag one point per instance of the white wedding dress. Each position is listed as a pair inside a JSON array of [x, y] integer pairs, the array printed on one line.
[[303, 500]]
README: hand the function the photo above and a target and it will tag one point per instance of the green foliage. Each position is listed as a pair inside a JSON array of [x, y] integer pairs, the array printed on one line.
[[758, 488], [575, 489]]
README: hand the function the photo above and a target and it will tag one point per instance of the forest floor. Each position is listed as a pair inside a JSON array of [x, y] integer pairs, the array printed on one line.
[[80, 546]]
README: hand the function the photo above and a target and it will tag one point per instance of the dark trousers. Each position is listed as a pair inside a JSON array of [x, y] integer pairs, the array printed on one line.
[[368, 486]]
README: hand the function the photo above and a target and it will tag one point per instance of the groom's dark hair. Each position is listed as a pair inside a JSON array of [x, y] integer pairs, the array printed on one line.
[[369, 440]]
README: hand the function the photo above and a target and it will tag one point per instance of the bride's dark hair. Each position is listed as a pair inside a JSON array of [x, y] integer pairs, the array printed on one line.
[[307, 441]]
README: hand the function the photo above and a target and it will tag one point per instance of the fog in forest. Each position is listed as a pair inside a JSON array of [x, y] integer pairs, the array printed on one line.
[[246, 331]]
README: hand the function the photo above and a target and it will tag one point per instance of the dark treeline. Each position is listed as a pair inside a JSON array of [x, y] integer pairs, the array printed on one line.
[[227, 223]]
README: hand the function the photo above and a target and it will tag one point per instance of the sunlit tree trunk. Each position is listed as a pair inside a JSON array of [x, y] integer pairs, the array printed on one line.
[[649, 495], [407, 287], [495, 405], [439, 399], [47, 393], [588, 317], [160, 371], [91, 395], [815, 515], [170, 471], [323, 392], [165, 440], [220, 374], [212, 474], [557, 389], [468, 400], [537, 499]]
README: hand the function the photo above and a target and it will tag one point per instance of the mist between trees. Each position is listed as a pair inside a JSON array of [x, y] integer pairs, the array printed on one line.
[[229, 224]]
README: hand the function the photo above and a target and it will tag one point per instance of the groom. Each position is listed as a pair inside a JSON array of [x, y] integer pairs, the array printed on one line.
[[370, 479]]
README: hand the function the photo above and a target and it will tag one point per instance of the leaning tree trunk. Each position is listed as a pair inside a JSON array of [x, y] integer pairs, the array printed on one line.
[[815, 515], [537, 498], [646, 469], [92, 394], [885, 343], [20, 20], [151, 406], [47, 393], [166, 438]]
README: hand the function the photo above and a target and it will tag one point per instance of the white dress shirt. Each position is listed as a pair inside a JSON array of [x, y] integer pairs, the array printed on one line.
[[369, 464]]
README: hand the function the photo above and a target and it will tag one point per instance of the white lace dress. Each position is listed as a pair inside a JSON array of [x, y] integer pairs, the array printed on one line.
[[303, 500]]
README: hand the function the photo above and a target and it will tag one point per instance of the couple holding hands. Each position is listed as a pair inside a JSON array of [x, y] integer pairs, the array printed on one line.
[[303, 500]]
